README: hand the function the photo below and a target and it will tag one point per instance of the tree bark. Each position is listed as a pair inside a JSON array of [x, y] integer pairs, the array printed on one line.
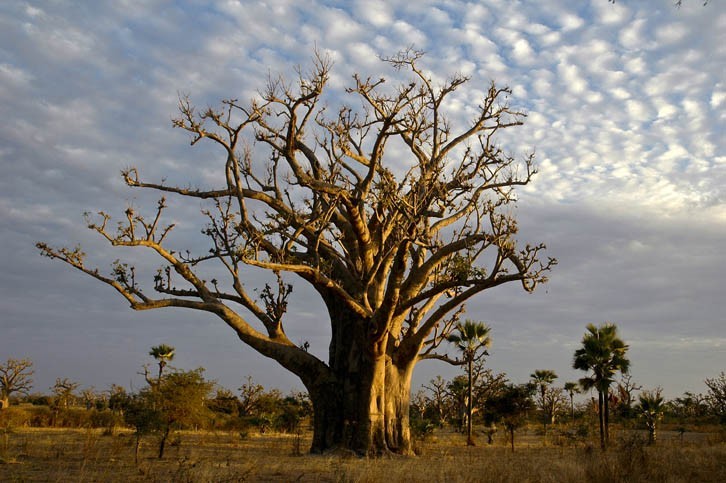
[[606, 416], [137, 447], [469, 438], [601, 418], [363, 404], [4, 402], [398, 393], [651, 433], [162, 442]]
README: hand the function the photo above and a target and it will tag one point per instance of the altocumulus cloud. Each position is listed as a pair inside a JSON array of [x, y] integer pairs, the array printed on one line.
[[625, 106]]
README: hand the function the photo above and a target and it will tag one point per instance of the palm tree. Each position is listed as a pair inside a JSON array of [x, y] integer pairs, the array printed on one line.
[[651, 409], [602, 353], [471, 338], [542, 378], [162, 353], [572, 388]]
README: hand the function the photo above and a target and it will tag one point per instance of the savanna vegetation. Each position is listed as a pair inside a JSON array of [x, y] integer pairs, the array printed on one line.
[[183, 427]]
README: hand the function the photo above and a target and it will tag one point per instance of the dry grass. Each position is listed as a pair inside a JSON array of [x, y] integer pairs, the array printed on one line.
[[87, 455]]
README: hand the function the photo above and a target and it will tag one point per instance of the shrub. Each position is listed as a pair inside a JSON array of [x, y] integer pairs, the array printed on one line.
[[14, 417]]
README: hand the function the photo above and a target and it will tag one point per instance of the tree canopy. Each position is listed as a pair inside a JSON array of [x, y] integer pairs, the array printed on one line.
[[393, 213]]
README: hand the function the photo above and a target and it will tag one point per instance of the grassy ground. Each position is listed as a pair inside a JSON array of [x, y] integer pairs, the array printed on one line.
[[87, 455]]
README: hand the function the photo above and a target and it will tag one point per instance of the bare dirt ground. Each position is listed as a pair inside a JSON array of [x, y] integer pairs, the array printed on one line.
[[88, 455]]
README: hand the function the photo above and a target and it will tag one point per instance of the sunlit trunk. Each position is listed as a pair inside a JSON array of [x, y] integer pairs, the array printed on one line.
[[364, 407], [651, 433], [398, 395], [469, 438]]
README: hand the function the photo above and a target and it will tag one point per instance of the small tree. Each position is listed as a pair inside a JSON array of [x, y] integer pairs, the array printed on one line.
[[716, 396], [626, 394], [140, 412], [472, 339], [14, 378], [64, 392], [439, 400], [181, 401], [689, 406], [224, 402], [250, 395], [487, 384], [89, 397], [543, 379], [651, 407], [510, 407], [572, 388]]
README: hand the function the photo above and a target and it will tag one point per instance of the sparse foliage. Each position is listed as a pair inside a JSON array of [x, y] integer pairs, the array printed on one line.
[[394, 247], [64, 392], [625, 392], [716, 396], [15, 377]]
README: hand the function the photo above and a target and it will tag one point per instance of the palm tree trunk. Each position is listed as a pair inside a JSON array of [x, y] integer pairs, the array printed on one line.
[[601, 419], [544, 412], [469, 439], [606, 417]]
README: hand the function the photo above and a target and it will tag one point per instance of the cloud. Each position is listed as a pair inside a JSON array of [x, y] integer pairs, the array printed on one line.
[[625, 113]]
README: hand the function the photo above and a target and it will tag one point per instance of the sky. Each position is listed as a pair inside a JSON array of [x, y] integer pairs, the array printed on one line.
[[626, 107]]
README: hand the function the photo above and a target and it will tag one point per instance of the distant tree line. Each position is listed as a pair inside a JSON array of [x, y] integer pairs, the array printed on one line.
[[479, 401], [173, 399]]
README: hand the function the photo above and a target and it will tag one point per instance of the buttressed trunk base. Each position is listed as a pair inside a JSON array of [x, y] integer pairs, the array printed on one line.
[[366, 410]]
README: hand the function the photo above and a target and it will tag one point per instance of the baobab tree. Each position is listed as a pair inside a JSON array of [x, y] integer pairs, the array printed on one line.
[[14, 377], [393, 213]]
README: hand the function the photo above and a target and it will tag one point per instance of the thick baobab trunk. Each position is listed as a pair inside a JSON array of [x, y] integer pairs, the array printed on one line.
[[397, 396], [364, 405], [366, 411], [4, 402]]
